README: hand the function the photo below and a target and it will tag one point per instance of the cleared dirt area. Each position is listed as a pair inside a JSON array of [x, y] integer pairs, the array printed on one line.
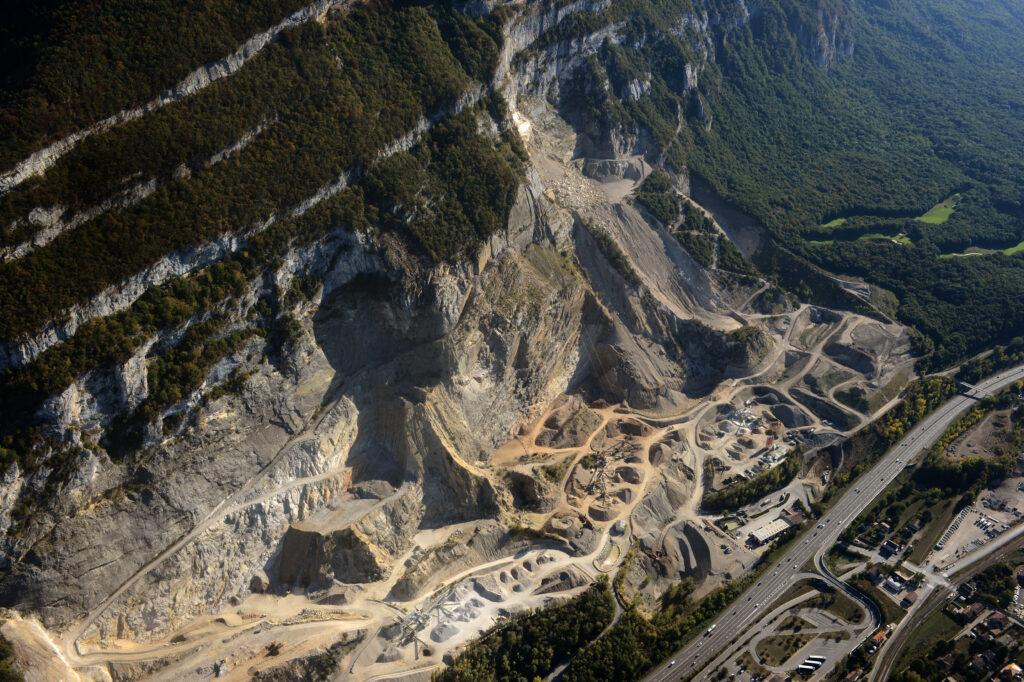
[[991, 437]]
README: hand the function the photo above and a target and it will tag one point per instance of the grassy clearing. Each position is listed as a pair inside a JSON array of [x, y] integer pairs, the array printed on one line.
[[902, 239], [936, 215], [891, 613], [935, 628], [940, 213], [942, 514], [840, 558], [797, 589], [972, 251], [777, 650], [978, 251], [1014, 250]]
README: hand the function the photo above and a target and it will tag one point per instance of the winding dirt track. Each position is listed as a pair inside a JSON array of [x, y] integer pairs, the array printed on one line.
[[686, 423]]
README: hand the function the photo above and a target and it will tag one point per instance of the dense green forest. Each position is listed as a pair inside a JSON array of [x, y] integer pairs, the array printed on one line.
[[854, 139], [70, 64], [325, 122], [531, 645], [892, 151], [637, 641]]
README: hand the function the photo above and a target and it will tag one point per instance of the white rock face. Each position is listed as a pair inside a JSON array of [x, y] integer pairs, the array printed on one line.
[[11, 485], [377, 422]]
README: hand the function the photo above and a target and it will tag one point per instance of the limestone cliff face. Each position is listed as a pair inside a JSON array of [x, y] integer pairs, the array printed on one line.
[[372, 423]]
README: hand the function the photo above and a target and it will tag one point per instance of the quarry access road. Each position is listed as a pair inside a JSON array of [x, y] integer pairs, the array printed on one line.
[[691, 661]]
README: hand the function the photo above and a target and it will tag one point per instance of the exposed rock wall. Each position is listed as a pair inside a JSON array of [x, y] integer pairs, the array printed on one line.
[[404, 377]]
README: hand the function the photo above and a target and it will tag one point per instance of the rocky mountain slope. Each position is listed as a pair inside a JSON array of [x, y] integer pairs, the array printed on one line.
[[265, 332]]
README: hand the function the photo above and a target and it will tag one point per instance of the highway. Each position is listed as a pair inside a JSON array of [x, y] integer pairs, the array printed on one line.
[[692, 660]]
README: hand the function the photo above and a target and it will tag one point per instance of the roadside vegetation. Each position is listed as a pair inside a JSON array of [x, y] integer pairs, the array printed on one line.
[[922, 500], [638, 641], [529, 646], [864, 448], [776, 650], [1001, 357], [750, 490], [891, 613]]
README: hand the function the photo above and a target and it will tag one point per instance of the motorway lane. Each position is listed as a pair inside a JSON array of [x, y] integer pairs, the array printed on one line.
[[695, 657]]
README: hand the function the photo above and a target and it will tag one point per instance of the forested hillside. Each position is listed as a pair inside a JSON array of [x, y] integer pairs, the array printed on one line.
[[922, 101], [880, 141], [68, 65], [312, 134]]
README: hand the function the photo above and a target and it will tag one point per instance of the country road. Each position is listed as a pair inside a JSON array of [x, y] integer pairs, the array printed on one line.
[[692, 660], [965, 569]]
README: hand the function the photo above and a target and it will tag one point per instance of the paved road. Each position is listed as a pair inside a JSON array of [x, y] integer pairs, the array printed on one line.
[[694, 658], [890, 652]]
